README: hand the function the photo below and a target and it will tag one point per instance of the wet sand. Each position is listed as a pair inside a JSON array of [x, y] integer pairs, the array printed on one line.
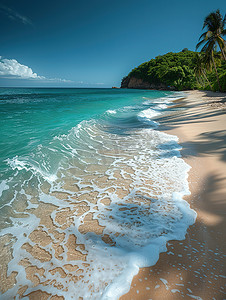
[[195, 268]]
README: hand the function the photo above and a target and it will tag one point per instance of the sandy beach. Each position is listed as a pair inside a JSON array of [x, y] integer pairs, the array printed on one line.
[[195, 268]]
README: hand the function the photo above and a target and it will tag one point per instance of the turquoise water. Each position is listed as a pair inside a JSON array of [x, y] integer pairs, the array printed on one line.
[[91, 190], [30, 117]]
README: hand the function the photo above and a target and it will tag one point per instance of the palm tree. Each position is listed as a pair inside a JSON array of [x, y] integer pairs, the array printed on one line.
[[215, 25], [209, 61], [200, 70]]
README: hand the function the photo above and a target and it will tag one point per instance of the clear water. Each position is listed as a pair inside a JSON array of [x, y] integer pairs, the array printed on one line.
[[90, 189]]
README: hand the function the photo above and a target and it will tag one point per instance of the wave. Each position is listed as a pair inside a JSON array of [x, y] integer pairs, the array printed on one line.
[[147, 116], [19, 164]]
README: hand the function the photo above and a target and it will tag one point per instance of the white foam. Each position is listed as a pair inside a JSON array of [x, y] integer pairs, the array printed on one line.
[[194, 297], [175, 291], [19, 164], [165, 282], [147, 116], [111, 112], [162, 106], [176, 98], [3, 187]]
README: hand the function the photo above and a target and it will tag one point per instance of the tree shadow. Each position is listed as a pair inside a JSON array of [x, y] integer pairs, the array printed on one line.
[[180, 118], [213, 95], [206, 143], [211, 199]]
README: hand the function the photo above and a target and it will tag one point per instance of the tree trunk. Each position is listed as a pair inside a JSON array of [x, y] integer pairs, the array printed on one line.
[[223, 53], [202, 81], [204, 74], [216, 73], [199, 81]]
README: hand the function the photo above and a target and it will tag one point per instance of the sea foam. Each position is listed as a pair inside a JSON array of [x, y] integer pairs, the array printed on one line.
[[147, 116]]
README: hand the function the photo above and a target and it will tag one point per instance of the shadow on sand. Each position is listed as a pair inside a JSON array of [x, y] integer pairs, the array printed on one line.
[[206, 143]]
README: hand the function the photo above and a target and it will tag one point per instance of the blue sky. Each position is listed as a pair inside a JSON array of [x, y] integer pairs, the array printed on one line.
[[92, 43]]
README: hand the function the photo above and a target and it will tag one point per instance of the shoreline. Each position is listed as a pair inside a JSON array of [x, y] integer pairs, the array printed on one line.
[[193, 268]]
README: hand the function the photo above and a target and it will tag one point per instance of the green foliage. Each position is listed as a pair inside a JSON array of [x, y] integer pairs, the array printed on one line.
[[213, 37], [181, 71], [171, 69], [222, 79], [221, 70]]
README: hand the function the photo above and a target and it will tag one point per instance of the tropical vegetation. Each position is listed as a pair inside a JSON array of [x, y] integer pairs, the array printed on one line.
[[189, 69], [213, 37]]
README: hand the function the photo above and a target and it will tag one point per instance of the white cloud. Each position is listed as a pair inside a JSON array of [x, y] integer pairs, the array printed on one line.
[[11, 68]]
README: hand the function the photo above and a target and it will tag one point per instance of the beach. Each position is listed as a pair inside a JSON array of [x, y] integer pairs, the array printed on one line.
[[195, 267], [103, 199]]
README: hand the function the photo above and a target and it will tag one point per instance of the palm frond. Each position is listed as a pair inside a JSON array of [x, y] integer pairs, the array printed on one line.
[[220, 42], [200, 43], [205, 47], [203, 35], [210, 47], [224, 21], [214, 21]]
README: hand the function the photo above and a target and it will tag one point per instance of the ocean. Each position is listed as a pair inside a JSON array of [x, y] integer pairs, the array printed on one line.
[[91, 189]]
